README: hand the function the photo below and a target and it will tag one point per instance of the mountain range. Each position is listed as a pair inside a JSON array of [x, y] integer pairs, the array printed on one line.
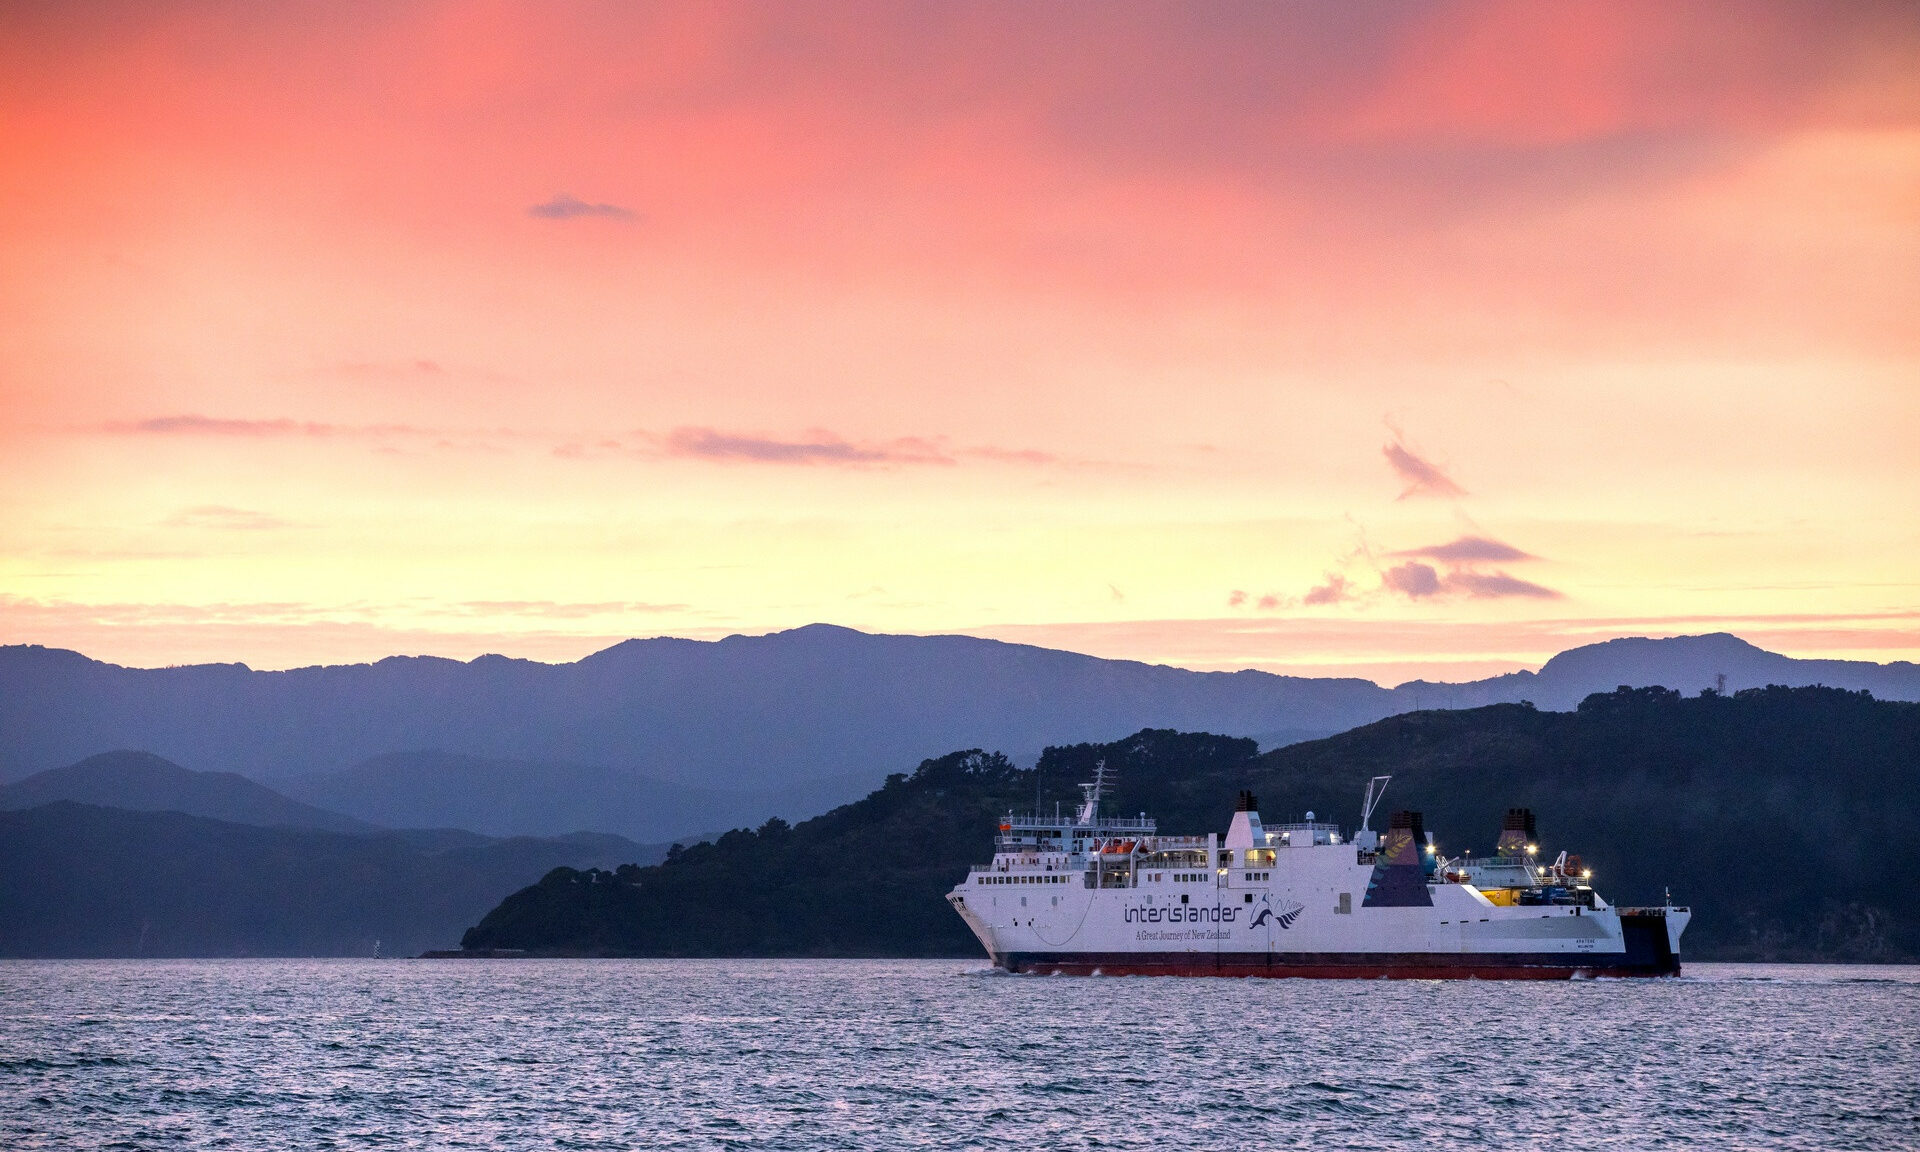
[[655, 739]]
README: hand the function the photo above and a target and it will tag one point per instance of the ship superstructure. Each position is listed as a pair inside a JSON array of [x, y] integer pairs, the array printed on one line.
[[1087, 893]]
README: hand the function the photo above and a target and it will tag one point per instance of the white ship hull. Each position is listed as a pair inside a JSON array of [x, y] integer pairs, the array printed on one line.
[[1294, 927], [1291, 903]]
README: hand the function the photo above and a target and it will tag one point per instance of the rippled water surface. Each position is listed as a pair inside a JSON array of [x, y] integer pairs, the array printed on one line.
[[891, 1054]]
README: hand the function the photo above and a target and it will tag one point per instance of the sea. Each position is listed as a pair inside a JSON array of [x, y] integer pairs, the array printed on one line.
[[883, 1054]]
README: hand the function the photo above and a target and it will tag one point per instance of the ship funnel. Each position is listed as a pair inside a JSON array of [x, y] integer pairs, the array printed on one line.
[[1416, 830], [1400, 871], [1517, 836], [1245, 831]]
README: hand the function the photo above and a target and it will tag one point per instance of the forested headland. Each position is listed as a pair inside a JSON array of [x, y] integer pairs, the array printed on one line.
[[1784, 816]]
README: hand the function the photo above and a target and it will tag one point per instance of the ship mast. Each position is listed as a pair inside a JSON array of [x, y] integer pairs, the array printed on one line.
[[1376, 790], [1090, 794]]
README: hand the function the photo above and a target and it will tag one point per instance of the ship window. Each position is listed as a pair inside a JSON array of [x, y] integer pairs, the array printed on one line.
[[1183, 897], [1249, 898], [1346, 904]]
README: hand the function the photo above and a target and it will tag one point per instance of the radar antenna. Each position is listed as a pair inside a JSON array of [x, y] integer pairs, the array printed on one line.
[[1090, 794]]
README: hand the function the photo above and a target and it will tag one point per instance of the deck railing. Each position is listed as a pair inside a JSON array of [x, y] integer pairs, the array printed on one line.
[[1142, 825]]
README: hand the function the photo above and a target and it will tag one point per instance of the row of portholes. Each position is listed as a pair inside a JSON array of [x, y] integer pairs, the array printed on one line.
[[1023, 880]]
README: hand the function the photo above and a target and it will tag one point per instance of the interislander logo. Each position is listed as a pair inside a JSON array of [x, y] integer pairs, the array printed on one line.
[[1286, 917], [1181, 914]]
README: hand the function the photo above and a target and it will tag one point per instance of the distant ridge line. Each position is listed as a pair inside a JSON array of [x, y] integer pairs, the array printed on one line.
[[669, 733]]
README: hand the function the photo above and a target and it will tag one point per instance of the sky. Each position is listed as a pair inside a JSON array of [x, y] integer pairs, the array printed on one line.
[[1422, 339]]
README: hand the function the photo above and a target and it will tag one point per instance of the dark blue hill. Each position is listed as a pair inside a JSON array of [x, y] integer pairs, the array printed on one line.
[[81, 880], [144, 782]]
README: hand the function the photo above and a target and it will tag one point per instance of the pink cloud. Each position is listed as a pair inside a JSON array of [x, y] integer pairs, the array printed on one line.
[[1417, 581], [1467, 550], [1334, 589], [1413, 580], [194, 424], [1491, 585], [816, 447], [565, 207], [1421, 477]]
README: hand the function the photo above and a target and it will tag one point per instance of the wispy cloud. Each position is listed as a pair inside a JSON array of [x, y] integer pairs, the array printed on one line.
[[1468, 550], [1491, 585], [1334, 589], [1010, 455], [565, 207], [303, 612], [193, 424], [224, 518], [814, 447], [1422, 477], [559, 610], [817, 446], [1417, 581]]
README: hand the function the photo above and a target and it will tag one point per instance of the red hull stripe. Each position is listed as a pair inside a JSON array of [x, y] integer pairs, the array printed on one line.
[[1336, 965]]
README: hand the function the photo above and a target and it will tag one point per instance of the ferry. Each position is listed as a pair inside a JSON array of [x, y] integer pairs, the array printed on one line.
[[1085, 893]]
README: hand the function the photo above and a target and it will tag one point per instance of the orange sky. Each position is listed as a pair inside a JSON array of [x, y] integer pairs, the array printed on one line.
[[1421, 339]]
